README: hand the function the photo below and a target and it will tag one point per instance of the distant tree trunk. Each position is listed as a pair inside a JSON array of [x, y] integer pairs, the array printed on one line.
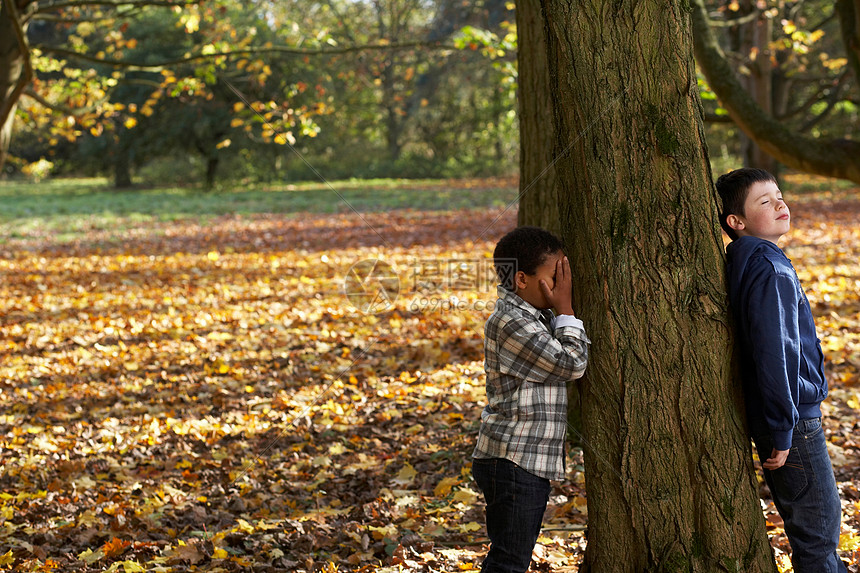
[[15, 70], [754, 43], [393, 120], [538, 186], [211, 169], [849, 21], [122, 169], [670, 480], [832, 158]]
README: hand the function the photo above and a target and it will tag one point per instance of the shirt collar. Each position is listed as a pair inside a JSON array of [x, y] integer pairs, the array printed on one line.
[[514, 299]]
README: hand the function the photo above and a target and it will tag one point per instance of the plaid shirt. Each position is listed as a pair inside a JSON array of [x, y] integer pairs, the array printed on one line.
[[529, 358]]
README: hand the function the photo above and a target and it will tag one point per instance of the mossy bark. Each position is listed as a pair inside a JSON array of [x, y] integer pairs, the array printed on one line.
[[670, 480]]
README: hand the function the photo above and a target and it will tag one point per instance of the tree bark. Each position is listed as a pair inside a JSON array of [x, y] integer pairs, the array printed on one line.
[[670, 480], [849, 22], [15, 70], [538, 193], [122, 168], [832, 158], [754, 43]]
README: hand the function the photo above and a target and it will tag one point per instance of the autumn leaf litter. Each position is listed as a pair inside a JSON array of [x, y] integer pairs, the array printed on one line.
[[204, 397]]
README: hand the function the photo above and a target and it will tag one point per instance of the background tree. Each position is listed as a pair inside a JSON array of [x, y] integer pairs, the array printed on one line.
[[792, 94], [670, 478], [790, 58], [538, 193], [381, 81]]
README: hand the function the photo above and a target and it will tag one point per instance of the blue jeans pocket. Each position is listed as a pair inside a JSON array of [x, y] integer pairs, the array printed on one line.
[[791, 479]]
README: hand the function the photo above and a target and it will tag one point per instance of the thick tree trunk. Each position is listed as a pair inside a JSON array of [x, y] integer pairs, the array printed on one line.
[[538, 191], [669, 473], [833, 158]]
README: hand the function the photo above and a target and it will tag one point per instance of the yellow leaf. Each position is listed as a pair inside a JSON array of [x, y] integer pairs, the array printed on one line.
[[219, 553], [89, 556], [471, 526], [406, 475], [849, 542], [6, 558], [130, 123], [466, 496], [443, 488], [244, 526]]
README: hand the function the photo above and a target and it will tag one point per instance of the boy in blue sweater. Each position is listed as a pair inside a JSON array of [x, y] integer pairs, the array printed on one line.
[[782, 368]]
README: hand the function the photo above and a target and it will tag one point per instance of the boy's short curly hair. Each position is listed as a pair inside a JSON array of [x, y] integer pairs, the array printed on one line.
[[733, 188], [523, 249]]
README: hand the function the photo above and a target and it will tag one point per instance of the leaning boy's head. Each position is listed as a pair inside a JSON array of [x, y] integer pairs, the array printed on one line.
[[752, 204], [525, 256]]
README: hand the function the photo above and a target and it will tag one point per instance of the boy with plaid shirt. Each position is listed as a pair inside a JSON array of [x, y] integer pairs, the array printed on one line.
[[530, 355]]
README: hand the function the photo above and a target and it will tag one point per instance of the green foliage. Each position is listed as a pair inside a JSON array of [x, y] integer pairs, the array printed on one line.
[[802, 62], [418, 111]]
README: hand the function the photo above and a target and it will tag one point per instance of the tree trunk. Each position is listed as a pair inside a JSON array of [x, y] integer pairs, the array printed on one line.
[[211, 169], [832, 158], [849, 22], [754, 43], [670, 479], [122, 168], [538, 193], [15, 71]]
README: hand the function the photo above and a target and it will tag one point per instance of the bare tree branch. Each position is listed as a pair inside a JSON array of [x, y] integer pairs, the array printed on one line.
[[158, 66], [52, 6]]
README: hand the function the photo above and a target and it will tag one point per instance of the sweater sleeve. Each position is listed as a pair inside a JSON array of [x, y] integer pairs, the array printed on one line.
[[529, 352], [774, 334]]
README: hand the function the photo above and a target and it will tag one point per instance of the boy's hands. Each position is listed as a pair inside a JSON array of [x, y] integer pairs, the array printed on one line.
[[776, 460], [560, 295]]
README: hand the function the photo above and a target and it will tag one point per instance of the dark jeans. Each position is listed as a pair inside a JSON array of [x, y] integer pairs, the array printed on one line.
[[516, 501], [804, 492]]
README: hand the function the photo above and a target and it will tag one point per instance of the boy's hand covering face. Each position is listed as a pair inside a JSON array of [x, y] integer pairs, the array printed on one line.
[[559, 296]]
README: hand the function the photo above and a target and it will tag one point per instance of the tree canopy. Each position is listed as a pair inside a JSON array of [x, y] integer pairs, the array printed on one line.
[[228, 79]]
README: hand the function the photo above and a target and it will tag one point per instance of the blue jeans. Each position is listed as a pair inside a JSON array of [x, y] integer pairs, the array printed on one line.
[[804, 492], [516, 501]]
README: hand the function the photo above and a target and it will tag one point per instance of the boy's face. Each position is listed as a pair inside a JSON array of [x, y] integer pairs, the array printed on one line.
[[528, 286], [765, 213]]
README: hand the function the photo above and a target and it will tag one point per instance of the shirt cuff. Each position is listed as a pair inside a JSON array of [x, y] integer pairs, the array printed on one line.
[[567, 320]]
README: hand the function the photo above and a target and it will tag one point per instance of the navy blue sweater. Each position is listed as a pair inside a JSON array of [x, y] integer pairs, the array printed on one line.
[[781, 362]]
